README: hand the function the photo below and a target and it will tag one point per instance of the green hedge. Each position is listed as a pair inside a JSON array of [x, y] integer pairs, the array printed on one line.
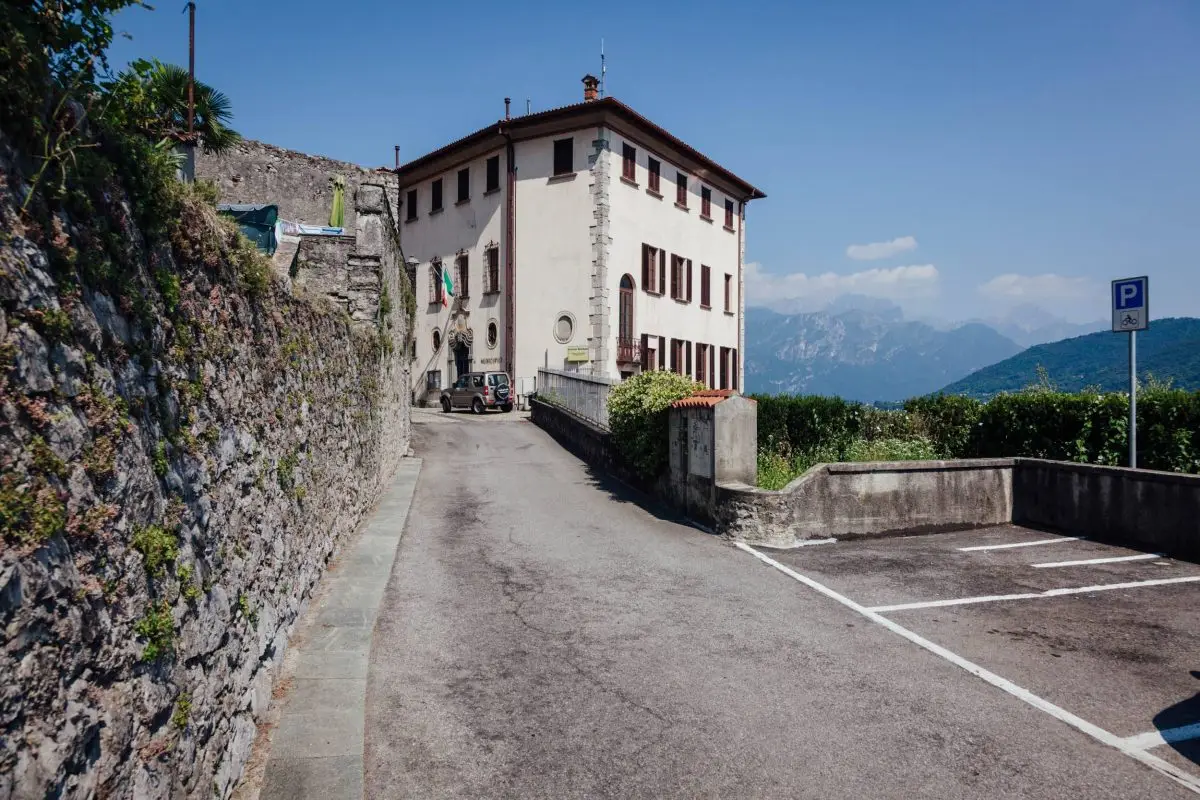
[[1085, 427]]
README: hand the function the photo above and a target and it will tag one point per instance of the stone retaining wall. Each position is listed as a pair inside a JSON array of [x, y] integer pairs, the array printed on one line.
[[174, 478]]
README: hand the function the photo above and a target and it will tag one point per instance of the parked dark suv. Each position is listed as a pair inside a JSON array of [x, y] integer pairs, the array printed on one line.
[[479, 391]]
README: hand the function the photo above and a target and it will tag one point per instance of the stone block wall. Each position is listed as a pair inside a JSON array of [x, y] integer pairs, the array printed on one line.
[[300, 184], [175, 473]]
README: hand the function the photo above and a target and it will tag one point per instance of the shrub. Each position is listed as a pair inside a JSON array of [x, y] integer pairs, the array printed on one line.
[[801, 422], [948, 420], [158, 629], [158, 548], [637, 416]]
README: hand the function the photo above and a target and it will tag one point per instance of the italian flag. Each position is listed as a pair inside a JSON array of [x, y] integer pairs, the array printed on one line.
[[447, 287]]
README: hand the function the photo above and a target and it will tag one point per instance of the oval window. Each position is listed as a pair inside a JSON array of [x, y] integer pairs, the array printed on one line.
[[564, 328], [437, 341], [493, 334]]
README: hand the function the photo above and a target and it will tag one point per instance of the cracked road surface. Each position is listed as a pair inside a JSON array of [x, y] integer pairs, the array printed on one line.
[[544, 636]]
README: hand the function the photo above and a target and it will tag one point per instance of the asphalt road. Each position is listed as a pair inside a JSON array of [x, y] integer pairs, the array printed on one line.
[[545, 636]]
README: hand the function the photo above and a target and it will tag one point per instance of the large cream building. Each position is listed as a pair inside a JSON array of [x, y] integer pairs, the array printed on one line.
[[583, 238]]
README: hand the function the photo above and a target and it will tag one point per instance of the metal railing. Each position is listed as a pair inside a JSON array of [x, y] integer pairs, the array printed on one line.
[[584, 395], [629, 351]]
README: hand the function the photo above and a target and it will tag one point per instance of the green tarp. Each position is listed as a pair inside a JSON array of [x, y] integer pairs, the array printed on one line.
[[256, 221]]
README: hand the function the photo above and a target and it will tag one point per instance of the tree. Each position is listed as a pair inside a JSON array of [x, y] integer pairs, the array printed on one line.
[[152, 98]]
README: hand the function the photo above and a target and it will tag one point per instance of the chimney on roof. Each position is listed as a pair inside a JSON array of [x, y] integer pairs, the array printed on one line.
[[507, 103], [591, 88]]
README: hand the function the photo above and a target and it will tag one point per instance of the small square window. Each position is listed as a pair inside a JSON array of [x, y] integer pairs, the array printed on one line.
[[493, 174], [653, 168], [464, 184], [564, 162], [435, 203], [411, 203]]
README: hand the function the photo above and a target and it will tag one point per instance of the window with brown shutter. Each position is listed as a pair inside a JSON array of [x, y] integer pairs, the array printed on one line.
[[689, 280], [492, 279], [629, 163], [436, 287], [464, 184], [701, 363], [653, 168], [734, 371], [662, 271], [674, 355], [687, 348], [705, 286], [493, 174], [563, 156], [461, 282], [705, 202], [681, 189], [647, 353], [662, 352], [728, 293], [724, 368], [676, 277], [712, 357], [651, 280], [645, 267], [729, 214]]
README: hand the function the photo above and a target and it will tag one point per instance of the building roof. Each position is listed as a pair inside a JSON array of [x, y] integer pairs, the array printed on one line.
[[705, 398], [606, 110]]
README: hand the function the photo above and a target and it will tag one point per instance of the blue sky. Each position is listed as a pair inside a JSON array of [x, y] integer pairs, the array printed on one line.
[[995, 152]]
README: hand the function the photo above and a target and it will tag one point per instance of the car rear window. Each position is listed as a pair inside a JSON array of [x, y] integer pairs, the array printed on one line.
[[499, 379]]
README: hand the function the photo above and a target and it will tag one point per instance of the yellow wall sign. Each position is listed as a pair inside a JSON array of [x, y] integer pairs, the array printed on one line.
[[577, 355]]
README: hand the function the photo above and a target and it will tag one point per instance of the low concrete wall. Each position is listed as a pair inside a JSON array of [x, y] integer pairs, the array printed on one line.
[[843, 500], [1157, 511], [587, 440]]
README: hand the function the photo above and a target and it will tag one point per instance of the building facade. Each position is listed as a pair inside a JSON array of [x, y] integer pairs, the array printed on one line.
[[583, 238]]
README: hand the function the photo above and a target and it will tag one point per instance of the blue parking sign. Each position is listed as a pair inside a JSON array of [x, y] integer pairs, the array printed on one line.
[[1131, 304]]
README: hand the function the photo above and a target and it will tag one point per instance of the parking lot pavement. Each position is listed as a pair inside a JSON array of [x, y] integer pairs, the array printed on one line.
[[1104, 638]]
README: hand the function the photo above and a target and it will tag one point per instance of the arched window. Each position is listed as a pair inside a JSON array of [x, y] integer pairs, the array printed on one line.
[[626, 350]]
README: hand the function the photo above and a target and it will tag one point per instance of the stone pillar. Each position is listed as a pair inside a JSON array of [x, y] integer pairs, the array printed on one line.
[[599, 311]]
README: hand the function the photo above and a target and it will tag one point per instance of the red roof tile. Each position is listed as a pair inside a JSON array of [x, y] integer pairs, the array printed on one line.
[[705, 398]]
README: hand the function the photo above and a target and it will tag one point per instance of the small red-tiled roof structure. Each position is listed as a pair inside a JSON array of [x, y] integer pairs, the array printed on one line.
[[705, 398]]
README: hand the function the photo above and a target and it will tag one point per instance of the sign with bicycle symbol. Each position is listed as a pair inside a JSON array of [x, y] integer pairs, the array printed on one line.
[[1130, 304]]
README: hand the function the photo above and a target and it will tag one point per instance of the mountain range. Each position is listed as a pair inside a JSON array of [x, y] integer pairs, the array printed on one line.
[[864, 349], [1169, 350], [866, 353]]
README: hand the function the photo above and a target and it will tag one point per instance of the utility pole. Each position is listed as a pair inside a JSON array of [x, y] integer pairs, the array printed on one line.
[[191, 9]]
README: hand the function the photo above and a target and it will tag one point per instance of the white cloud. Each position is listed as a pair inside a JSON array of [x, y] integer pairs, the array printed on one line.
[[814, 291], [877, 250], [1045, 289]]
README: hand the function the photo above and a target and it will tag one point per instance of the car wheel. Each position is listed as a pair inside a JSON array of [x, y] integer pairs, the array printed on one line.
[[477, 406], [507, 407], [445, 405]]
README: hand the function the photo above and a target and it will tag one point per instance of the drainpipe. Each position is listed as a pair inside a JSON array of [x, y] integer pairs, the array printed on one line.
[[741, 303], [510, 254]]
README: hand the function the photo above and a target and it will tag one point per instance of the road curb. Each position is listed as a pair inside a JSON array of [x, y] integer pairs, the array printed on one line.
[[317, 745]]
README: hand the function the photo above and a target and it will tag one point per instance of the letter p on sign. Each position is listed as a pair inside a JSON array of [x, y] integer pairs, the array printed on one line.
[[1130, 304]]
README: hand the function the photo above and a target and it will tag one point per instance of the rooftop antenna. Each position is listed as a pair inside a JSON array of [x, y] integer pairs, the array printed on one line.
[[603, 68]]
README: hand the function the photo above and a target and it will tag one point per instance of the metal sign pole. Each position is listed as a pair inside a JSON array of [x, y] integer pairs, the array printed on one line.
[[1133, 399]]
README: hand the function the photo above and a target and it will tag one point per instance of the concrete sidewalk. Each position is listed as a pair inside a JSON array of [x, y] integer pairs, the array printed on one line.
[[317, 748]]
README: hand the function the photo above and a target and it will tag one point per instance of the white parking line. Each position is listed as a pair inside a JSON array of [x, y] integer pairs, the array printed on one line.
[[1061, 714], [1020, 544], [992, 598], [1109, 560], [1184, 733]]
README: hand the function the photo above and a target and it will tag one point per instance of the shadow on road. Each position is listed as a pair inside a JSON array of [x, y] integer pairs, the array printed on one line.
[[623, 492], [1185, 712]]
